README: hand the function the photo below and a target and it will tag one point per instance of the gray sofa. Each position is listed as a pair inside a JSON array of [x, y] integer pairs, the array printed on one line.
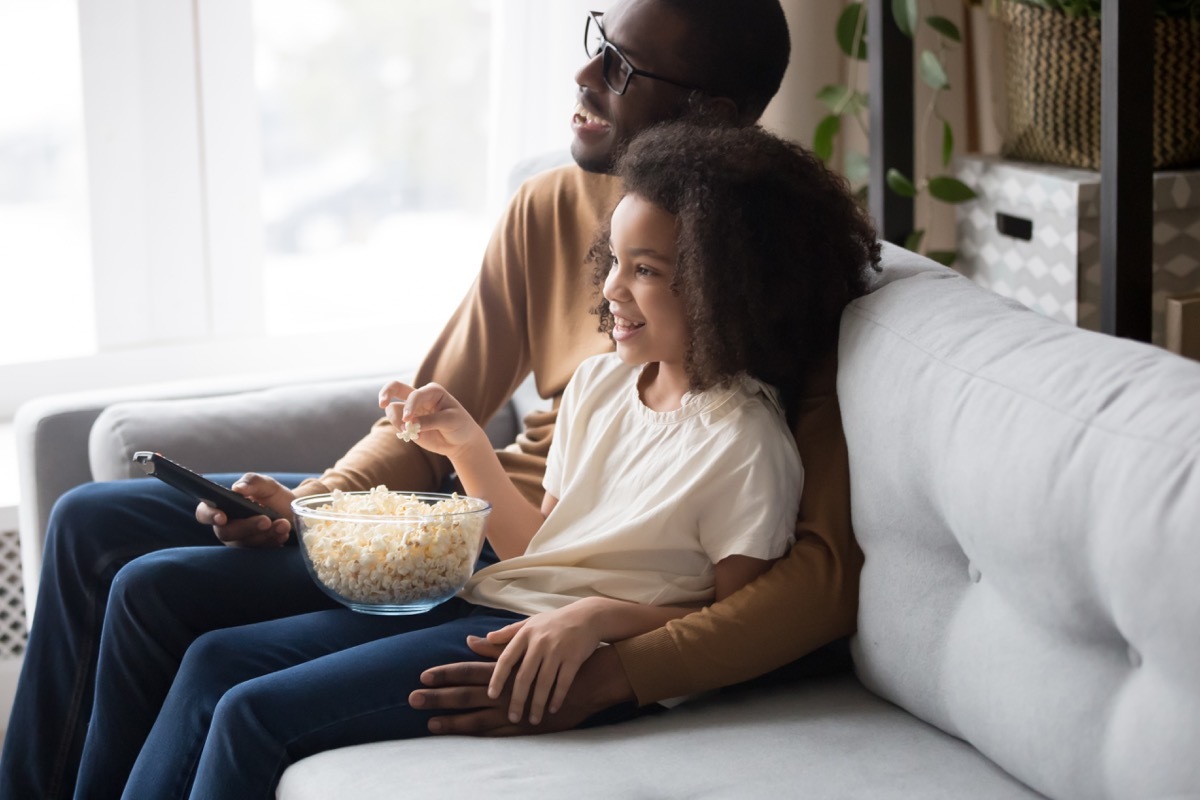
[[1028, 499]]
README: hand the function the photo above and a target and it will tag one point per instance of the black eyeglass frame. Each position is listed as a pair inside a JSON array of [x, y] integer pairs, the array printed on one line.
[[608, 49]]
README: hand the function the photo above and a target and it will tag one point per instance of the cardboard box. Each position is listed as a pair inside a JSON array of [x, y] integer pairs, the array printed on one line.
[[1183, 325], [1033, 234]]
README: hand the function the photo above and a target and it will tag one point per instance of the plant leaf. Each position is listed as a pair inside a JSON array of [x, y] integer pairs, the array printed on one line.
[[831, 94], [847, 26], [944, 257], [913, 242], [835, 97], [905, 14], [858, 167], [900, 184], [932, 71], [950, 190], [945, 27], [947, 143], [823, 136]]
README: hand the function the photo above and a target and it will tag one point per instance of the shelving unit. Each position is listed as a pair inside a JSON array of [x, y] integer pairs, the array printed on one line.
[[1126, 174]]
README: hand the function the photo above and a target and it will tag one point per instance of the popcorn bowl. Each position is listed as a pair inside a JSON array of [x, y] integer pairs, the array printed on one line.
[[382, 552]]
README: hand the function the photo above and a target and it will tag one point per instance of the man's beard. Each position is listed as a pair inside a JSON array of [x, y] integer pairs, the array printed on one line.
[[599, 164]]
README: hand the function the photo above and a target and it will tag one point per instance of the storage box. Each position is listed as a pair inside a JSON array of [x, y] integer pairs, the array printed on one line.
[[1033, 234]]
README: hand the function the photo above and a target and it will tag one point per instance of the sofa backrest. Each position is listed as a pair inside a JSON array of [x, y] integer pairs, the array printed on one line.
[[1027, 496]]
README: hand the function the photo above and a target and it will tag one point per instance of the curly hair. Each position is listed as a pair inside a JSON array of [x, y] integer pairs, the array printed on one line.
[[771, 246]]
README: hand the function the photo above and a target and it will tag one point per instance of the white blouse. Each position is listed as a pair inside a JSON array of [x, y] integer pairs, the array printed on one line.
[[649, 501]]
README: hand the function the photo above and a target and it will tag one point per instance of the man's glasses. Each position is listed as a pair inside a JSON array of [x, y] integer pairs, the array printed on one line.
[[616, 67]]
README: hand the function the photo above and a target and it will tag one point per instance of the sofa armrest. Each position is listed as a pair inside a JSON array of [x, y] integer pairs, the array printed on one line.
[[210, 426], [296, 428], [51, 441]]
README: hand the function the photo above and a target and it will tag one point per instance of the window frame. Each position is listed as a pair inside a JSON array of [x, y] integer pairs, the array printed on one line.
[[174, 174], [171, 127]]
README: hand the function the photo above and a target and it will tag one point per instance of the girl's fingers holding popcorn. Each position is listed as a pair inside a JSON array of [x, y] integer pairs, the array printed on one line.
[[394, 392], [447, 421], [430, 398]]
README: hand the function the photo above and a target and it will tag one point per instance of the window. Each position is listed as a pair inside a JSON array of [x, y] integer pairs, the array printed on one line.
[[44, 246], [193, 188], [374, 123]]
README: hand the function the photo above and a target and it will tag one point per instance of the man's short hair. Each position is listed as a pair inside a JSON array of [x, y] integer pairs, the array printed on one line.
[[739, 48]]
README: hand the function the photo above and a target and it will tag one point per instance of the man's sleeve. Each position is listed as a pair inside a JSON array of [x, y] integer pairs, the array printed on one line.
[[481, 357], [806, 600]]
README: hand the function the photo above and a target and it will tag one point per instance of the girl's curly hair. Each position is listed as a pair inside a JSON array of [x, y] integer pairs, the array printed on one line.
[[771, 246]]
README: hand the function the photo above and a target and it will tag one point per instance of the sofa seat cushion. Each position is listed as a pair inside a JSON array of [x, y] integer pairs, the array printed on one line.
[[823, 738]]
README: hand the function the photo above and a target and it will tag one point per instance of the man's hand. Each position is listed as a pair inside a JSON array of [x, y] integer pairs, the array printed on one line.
[[258, 531], [462, 688]]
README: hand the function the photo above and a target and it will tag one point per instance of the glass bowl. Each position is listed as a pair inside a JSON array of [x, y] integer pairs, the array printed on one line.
[[382, 552]]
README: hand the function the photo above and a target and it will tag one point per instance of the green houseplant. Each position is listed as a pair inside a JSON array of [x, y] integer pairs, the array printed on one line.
[[844, 102]]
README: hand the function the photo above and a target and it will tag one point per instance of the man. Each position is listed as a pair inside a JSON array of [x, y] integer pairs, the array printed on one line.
[[649, 60]]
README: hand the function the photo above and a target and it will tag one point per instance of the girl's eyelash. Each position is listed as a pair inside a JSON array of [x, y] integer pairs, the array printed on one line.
[[638, 269]]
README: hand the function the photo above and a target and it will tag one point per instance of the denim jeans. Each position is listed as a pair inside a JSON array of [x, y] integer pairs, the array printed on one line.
[[202, 671], [93, 532], [250, 700]]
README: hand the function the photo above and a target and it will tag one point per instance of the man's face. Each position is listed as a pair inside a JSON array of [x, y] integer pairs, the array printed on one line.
[[652, 38]]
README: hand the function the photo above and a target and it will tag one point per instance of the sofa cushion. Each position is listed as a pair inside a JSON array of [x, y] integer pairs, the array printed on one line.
[[300, 427], [824, 738], [1027, 496]]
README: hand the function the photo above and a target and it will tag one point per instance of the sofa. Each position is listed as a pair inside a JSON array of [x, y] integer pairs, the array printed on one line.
[[1026, 494]]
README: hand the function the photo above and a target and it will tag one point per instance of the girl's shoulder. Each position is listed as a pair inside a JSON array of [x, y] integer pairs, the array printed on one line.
[[603, 367], [600, 374]]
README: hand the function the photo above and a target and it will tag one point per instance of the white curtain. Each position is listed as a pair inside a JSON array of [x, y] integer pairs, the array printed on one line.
[[537, 47]]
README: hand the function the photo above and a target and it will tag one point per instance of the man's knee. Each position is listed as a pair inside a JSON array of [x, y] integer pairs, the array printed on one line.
[[81, 516], [139, 581], [160, 585]]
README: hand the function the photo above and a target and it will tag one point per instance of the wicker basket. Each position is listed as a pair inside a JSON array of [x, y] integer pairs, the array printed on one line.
[[1053, 78]]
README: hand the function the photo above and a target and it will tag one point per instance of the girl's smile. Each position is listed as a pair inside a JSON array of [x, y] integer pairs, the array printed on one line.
[[625, 329]]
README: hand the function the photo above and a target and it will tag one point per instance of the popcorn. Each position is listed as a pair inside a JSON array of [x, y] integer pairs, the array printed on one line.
[[416, 553], [411, 432]]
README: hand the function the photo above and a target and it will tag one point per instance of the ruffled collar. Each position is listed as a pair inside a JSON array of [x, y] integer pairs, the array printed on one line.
[[715, 401]]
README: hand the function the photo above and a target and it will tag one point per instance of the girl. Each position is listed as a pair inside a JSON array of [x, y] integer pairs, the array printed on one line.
[[672, 480]]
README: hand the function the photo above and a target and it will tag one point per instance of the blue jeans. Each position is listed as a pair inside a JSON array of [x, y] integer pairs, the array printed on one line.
[[203, 670], [250, 700], [93, 532]]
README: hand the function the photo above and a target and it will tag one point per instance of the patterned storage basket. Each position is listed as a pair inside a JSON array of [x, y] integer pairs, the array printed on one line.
[[1053, 78]]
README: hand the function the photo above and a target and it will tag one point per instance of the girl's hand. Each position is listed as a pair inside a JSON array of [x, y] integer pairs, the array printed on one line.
[[445, 426], [549, 648]]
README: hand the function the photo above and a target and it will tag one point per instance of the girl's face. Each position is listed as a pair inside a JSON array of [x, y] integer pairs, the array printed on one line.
[[650, 323]]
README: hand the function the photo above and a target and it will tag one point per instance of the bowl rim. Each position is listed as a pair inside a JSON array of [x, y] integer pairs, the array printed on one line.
[[300, 507]]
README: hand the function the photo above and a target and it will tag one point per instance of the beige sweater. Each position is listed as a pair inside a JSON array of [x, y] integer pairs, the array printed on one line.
[[529, 311]]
